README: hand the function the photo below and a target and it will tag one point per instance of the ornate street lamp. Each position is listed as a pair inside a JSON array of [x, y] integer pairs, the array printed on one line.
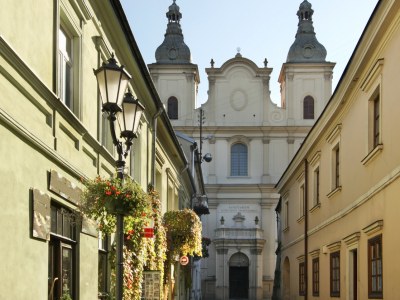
[[113, 81]]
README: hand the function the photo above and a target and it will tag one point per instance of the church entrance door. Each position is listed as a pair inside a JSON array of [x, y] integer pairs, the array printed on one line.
[[238, 282]]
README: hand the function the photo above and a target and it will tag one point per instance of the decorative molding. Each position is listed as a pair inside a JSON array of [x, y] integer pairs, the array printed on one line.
[[372, 75], [301, 258], [315, 158], [334, 191], [315, 207], [352, 238], [64, 188], [222, 251], [41, 219], [334, 133], [373, 228], [89, 227], [378, 149], [300, 178], [387, 180], [334, 246], [315, 253]]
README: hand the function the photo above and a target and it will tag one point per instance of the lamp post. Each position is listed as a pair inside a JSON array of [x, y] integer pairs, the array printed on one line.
[[126, 110]]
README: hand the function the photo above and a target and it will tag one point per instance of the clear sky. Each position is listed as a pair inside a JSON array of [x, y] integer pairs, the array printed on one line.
[[260, 28]]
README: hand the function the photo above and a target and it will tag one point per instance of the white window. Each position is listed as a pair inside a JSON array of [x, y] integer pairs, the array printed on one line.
[[239, 160], [65, 84], [69, 58], [302, 206], [316, 191]]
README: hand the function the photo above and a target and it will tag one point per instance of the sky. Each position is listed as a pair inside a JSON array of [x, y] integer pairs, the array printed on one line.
[[260, 28]]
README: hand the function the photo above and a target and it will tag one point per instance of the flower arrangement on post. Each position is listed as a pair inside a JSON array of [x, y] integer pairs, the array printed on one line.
[[103, 198], [183, 232], [100, 201]]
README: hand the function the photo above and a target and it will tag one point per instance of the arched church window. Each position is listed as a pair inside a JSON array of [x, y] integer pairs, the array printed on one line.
[[308, 108], [173, 108], [239, 160]]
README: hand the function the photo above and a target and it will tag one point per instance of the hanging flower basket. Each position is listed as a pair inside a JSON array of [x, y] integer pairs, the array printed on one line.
[[103, 198], [183, 232]]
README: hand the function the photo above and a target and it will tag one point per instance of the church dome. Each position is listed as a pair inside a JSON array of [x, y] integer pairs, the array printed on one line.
[[173, 50], [306, 47]]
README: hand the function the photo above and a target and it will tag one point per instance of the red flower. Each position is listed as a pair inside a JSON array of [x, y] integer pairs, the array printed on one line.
[[117, 192], [108, 192]]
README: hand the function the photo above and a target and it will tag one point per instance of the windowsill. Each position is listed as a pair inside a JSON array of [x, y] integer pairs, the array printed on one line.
[[378, 149], [315, 207], [334, 191], [301, 219], [286, 229], [241, 177]]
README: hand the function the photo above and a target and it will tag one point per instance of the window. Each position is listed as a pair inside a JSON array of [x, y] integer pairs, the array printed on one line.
[[173, 108], [336, 167], [308, 108], [65, 79], [239, 160], [316, 186], [103, 270], [62, 253], [335, 274], [375, 272], [286, 214], [69, 62], [315, 276], [302, 280], [376, 121], [301, 202]]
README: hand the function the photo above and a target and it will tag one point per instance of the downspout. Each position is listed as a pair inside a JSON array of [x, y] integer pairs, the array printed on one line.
[[153, 146], [306, 228]]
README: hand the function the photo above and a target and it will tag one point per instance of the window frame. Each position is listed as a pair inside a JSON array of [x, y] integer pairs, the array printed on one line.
[[315, 276], [103, 283], [316, 190], [302, 279], [334, 271], [69, 23], [242, 163], [373, 242], [286, 214], [308, 108], [302, 199], [63, 235], [173, 108]]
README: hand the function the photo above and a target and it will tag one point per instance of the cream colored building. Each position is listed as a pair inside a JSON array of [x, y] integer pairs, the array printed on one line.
[[251, 140], [53, 133], [340, 194]]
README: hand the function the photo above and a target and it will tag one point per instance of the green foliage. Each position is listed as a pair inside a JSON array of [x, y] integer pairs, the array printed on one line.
[[183, 232], [100, 201], [103, 198]]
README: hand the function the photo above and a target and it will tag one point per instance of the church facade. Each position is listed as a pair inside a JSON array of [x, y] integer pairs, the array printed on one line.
[[251, 140]]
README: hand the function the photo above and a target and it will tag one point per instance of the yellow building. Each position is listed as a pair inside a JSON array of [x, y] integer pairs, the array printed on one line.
[[339, 195], [53, 133]]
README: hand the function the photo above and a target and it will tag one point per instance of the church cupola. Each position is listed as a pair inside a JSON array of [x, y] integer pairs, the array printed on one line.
[[173, 50], [306, 47]]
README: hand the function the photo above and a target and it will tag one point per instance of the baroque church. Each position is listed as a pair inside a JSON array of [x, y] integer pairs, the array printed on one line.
[[251, 140]]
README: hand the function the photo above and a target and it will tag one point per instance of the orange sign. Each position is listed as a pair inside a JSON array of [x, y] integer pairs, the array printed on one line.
[[184, 260]]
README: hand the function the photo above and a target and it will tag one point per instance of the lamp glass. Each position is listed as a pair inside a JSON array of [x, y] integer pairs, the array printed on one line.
[[113, 81], [130, 117]]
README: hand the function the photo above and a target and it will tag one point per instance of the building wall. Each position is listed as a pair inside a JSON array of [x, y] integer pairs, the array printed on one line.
[[48, 147], [363, 205]]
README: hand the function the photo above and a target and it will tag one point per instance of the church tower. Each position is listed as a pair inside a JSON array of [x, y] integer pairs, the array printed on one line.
[[175, 76], [306, 77]]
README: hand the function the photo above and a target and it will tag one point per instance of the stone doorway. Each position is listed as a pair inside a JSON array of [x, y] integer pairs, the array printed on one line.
[[239, 277]]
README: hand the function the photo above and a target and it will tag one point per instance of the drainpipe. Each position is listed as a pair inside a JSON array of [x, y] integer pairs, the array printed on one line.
[[306, 228], [153, 158]]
